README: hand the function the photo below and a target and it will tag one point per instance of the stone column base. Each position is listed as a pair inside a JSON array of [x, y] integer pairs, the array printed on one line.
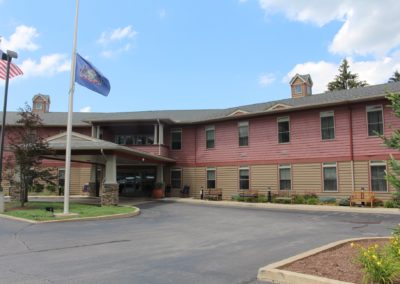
[[109, 194]]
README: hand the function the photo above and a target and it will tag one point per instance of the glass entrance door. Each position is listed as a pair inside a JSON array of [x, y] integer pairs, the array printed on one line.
[[136, 181]]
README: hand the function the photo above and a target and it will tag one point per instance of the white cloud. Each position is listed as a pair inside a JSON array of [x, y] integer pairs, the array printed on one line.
[[162, 13], [117, 35], [369, 27], [266, 79], [21, 39], [374, 71], [47, 66], [86, 109]]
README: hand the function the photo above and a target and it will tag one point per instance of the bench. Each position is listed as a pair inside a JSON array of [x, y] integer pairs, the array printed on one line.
[[248, 193], [284, 196], [213, 194], [362, 197]]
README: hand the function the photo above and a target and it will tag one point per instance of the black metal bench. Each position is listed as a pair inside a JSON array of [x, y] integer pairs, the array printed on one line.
[[185, 191]]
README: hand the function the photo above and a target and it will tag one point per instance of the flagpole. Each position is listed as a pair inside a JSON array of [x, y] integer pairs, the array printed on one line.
[[70, 112]]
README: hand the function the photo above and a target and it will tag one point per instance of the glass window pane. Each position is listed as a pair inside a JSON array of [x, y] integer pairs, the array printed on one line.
[[375, 123], [378, 181], [176, 137], [330, 180]]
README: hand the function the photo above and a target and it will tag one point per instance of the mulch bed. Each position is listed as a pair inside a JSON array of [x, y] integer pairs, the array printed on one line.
[[337, 263]]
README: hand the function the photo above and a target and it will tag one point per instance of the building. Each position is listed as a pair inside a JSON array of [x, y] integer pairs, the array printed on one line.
[[326, 144]]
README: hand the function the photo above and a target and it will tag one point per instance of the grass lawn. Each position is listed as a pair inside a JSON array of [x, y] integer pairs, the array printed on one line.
[[37, 210]]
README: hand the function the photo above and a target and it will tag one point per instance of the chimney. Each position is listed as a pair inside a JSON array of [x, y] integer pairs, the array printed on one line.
[[40, 103], [301, 86]]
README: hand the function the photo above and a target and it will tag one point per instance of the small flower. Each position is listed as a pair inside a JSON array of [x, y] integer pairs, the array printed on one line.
[[352, 245], [376, 246], [374, 256], [378, 263]]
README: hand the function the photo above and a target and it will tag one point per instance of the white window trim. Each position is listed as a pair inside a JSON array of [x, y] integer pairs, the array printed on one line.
[[244, 124], [215, 179], [372, 108], [283, 119], [378, 163], [282, 167], [329, 113], [330, 165], [244, 168], [209, 128]]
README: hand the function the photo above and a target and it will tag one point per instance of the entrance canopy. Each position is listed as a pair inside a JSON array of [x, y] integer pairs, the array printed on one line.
[[87, 149]]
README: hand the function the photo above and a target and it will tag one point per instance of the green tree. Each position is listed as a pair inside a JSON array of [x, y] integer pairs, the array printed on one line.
[[395, 77], [28, 149], [394, 143], [345, 80]]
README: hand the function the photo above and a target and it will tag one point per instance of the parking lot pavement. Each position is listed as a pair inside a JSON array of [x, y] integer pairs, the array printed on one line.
[[173, 243]]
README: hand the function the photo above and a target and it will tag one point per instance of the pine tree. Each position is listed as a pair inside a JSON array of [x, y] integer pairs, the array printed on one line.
[[345, 80], [394, 143], [395, 77]]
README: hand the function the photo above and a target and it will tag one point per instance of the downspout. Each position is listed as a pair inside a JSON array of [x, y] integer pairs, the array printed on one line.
[[351, 147], [195, 157]]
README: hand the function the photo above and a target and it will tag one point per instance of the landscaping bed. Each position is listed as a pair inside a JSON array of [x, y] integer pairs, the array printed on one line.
[[36, 211], [337, 263]]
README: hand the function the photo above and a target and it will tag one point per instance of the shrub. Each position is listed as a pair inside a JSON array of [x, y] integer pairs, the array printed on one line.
[[298, 199], [262, 198], [390, 204], [36, 187], [327, 199], [312, 201], [381, 265], [51, 187], [310, 195], [378, 202], [236, 198], [344, 202]]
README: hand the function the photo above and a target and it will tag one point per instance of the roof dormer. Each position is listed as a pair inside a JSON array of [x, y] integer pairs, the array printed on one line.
[[301, 85], [40, 103]]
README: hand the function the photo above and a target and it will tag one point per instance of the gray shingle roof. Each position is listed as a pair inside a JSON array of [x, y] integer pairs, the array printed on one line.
[[199, 115]]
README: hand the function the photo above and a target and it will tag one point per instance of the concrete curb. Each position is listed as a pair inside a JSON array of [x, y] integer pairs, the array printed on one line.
[[273, 274], [295, 207], [103, 217]]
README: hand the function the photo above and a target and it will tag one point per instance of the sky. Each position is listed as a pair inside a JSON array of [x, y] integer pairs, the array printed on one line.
[[198, 54]]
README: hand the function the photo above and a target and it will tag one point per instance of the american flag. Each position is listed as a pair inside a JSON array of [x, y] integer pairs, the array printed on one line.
[[14, 69]]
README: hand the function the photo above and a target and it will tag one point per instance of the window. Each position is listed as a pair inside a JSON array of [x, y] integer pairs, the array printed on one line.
[[176, 178], [330, 177], [38, 105], [285, 177], [378, 172], [243, 133], [210, 137], [211, 178], [120, 139], [327, 125], [283, 130], [297, 89], [176, 139], [244, 178], [375, 120]]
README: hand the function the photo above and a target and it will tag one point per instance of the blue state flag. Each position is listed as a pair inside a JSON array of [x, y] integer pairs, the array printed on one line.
[[88, 76]]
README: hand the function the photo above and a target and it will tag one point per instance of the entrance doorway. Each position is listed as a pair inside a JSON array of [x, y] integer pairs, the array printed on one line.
[[136, 181]]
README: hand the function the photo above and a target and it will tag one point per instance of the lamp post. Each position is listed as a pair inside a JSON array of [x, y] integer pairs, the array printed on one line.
[[8, 57]]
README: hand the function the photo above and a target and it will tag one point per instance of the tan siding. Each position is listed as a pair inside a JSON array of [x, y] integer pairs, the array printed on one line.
[[195, 178], [263, 177], [344, 176], [306, 178], [361, 175], [79, 176], [227, 179]]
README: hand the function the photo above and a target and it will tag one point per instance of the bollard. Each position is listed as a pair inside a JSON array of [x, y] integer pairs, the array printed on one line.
[[269, 196]]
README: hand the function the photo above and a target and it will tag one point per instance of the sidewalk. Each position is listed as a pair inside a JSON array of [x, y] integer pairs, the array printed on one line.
[[299, 207]]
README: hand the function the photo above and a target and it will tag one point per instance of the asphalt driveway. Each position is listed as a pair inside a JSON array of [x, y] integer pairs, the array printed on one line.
[[172, 243]]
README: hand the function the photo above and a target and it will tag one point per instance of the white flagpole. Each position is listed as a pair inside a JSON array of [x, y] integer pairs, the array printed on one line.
[[70, 112]]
